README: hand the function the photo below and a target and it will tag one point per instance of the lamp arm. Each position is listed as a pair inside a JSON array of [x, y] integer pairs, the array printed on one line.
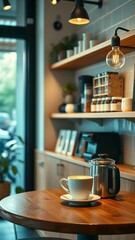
[[99, 3], [124, 29], [127, 47]]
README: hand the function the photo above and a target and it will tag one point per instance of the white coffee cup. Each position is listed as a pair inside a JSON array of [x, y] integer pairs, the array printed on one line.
[[78, 186], [126, 105]]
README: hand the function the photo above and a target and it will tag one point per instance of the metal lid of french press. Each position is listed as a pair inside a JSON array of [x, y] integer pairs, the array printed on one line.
[[103, 160]]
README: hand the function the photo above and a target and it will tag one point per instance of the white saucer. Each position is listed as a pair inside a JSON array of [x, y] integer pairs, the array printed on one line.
[[68, 198]]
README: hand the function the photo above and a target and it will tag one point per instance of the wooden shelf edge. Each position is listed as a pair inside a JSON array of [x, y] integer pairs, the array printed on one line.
[[126, 171], [73, 61], [89, 56], [72, 159], [112, 115]]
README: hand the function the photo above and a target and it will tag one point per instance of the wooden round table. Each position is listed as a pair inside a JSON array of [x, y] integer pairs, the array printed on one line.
[[45, 210]]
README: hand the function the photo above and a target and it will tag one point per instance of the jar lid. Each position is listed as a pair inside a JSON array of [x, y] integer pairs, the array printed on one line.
[[116, 98], [108, 98]]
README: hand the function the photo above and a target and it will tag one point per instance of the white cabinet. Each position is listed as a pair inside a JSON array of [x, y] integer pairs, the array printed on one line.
[[58, 169], [40, 171]]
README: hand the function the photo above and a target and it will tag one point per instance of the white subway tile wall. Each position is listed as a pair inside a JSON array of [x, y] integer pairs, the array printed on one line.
[[113, 14], [104, 21]]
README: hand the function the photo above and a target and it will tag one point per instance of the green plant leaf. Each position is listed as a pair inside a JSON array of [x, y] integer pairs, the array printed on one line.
[[68, 42], [14, 169], [69, 88], [20, 139]]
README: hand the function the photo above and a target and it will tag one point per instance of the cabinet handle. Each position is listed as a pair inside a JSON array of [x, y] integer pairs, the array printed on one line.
[[40, 163], [60, 169]]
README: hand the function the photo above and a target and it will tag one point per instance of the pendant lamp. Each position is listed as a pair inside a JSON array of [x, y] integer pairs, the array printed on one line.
[[115, 58], [6, 5], [79, 15]]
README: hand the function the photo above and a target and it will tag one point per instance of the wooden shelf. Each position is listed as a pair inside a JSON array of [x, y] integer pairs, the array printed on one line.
[[95, 54], [109, 115]]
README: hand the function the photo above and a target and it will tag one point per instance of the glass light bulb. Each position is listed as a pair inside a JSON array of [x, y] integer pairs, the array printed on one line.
[[78, 21], [7, 7], [54, 2], [115, 58]]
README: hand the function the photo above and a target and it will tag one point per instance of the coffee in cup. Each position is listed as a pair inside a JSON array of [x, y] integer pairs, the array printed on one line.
[[78, 186]]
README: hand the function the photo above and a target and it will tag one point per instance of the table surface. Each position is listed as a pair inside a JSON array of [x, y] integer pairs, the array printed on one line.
[[45, 210]]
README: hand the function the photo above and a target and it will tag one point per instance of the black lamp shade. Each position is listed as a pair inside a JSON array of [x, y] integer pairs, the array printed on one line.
[[79, 16]]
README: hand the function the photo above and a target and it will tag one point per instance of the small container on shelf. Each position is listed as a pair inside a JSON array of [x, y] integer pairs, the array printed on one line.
[[98, 105], [99, 79], [107, 104], [102, 104], [93, 105], [87, 97], [115, 105]]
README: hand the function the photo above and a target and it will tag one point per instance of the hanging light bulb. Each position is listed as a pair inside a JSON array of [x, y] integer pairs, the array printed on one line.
[[115, 58], [54, 2], [6, 5]]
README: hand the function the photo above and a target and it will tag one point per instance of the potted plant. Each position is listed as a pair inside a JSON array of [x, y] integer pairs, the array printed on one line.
[[70, 41], [6, 167], [68, 90], [58, 51]]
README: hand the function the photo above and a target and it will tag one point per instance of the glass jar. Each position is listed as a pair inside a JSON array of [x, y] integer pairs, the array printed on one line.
[[103, 78], [99, 75], [93, 104], [102, 105], [87, 97], [107, 104], [98, 105], [115, 105]]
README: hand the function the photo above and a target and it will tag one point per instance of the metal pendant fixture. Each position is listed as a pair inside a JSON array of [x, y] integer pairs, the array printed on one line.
[[79, 15], [6, 5], [115, 58]]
